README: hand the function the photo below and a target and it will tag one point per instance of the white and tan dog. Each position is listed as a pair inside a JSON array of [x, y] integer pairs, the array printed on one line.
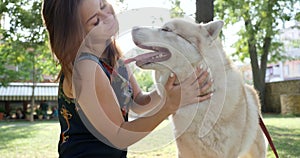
[[227, 125]]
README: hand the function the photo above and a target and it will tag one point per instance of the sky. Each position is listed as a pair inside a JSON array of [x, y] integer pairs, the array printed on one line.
[[189, 7]]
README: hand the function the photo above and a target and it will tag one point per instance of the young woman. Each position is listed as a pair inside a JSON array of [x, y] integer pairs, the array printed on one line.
[[96, 88]]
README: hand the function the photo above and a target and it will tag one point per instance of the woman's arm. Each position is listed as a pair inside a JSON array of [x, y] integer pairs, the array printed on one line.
[[143, 101], [99, 104], [150, 102]]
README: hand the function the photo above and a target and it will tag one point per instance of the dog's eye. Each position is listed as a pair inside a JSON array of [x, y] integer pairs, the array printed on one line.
[[166, 29]]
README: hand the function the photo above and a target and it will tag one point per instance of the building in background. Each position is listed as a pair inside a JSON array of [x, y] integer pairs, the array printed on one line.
[[19, 95], [288, 70], [283, 70]]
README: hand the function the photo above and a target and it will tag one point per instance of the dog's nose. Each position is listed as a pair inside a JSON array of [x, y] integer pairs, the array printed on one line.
[[135, 28]]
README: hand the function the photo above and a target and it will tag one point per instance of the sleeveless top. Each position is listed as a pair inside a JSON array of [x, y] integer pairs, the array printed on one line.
[[76, 140]]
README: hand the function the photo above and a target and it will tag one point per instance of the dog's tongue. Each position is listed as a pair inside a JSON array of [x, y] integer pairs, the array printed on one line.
[[142, 58], [129, 60]]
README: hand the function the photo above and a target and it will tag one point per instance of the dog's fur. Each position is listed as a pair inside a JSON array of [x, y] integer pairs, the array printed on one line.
[[225, 126]]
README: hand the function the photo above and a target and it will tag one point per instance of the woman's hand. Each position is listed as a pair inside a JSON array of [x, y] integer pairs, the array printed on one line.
[[192, 90]]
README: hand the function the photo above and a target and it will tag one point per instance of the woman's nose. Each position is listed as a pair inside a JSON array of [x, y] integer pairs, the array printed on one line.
[[103, 14]]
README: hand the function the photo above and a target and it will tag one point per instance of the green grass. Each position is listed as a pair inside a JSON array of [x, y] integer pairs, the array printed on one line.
[[285, 132], [39, 139], [29, 140]]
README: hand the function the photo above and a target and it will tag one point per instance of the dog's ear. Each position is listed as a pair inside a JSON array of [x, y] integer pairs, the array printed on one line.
[[214, 28]]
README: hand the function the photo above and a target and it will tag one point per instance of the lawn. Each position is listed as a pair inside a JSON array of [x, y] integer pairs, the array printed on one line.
[[39, 139], [285, 132]]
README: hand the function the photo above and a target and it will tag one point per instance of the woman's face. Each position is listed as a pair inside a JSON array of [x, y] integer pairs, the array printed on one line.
[[99, 15]]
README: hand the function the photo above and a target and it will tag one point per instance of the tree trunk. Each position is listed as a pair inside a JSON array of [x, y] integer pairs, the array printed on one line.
[[265, 52], [264, 62], [204, 11], [258, 72], [259, 69], [258, 76]]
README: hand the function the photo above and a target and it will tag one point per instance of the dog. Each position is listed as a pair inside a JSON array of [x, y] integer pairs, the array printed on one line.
[[226, 125]]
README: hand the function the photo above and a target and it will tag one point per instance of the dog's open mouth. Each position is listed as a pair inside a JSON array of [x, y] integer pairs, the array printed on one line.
[[160, 54]]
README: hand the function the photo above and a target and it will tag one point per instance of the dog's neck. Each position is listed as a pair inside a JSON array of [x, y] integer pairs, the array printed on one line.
[[161, 77], [215, 57]]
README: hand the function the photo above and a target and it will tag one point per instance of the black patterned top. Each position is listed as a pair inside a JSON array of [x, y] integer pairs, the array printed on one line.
[[77, 138]]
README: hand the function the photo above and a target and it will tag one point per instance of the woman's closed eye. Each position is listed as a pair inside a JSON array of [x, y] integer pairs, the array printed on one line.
[[97, 22]]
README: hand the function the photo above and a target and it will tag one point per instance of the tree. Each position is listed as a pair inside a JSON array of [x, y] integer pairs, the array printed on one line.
[[24, 45], [204, 11], [260, 20], [176, 10], [23, 32]]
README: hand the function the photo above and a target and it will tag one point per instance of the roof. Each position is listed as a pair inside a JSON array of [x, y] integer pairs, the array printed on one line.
[[23, 92]]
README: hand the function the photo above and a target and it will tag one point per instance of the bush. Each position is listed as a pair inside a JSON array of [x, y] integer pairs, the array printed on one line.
[[144, 79]]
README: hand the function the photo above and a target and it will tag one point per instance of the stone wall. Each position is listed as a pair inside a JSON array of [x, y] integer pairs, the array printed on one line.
[[275, 89], [290, 104]]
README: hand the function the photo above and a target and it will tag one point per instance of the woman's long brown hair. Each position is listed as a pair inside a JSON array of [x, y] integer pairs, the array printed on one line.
[[65, 31]]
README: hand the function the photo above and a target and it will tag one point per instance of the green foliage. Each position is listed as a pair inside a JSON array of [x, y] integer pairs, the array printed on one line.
[[144, 79], [2, 110], [23, 45], [176, 10], [297, 16], [262, 18], [258, 40], [294, 43]]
